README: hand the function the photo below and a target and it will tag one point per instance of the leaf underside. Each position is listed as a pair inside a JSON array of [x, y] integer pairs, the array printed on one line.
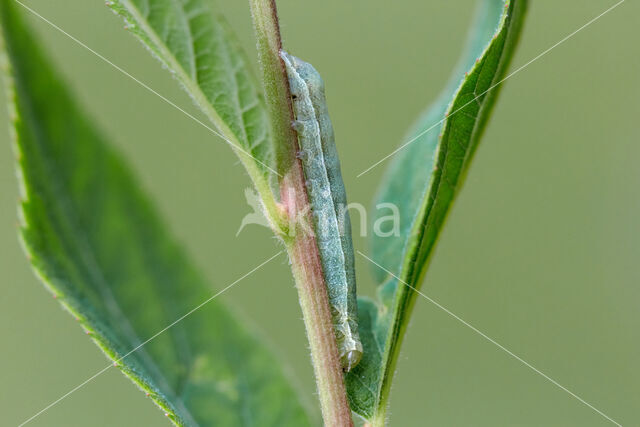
[[202, 53], [99, 247], [422, 181]]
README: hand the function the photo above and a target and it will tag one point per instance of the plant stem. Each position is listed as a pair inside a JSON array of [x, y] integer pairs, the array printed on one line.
[[301, 245], [314, 302], [276, 84]]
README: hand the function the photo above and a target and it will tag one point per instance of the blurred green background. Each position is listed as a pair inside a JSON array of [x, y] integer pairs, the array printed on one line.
[[540, 252]]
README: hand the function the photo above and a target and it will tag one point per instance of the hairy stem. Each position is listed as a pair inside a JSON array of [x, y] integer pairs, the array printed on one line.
[[317, 318], [301, 244]]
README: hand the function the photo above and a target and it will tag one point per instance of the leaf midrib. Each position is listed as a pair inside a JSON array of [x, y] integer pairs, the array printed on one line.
[[193, 90], [412, 252]]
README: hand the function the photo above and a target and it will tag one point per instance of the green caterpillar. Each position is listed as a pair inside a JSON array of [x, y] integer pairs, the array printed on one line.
[[328, 202]]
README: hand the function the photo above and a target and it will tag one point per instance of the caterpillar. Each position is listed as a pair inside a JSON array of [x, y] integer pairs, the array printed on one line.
[[328, 202]]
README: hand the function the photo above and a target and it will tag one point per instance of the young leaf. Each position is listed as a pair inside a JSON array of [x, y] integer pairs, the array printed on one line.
[[201, 51], [422, 181], [98, 246]]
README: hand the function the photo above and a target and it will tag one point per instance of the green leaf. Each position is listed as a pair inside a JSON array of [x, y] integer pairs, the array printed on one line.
[[202, 53], [422, 181], [99, 247]]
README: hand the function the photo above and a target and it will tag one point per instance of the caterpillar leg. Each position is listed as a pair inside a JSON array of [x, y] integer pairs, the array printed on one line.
[[349, 344]]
